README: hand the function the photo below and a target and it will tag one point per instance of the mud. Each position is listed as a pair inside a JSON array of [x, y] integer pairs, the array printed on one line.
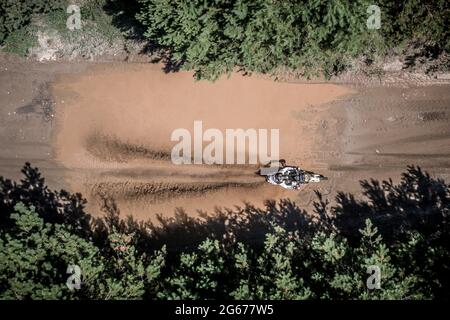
[[104, 130]]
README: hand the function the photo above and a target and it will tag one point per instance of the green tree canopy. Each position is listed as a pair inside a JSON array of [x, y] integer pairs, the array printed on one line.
[[276, 252]]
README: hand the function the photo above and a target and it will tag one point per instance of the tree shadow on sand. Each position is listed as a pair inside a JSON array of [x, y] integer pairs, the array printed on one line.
[[182, 232], [418, 203]]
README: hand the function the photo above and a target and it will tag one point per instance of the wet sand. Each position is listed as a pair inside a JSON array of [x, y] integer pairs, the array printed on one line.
[[109, 126]]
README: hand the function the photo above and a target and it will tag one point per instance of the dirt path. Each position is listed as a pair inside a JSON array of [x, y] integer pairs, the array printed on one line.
[[115, 125], [111, 125]]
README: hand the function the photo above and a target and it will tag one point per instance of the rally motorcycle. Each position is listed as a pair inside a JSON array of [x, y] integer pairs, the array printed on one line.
[[288, 177]]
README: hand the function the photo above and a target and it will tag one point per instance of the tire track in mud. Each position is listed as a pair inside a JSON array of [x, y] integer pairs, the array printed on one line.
[[155, 168], [112, 149], [159, 191]]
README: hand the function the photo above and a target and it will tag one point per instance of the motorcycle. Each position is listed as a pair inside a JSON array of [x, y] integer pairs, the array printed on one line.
[[288, 177]]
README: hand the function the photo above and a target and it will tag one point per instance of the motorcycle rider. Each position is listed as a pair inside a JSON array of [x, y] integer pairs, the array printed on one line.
[[294, 179], [288, 177]]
